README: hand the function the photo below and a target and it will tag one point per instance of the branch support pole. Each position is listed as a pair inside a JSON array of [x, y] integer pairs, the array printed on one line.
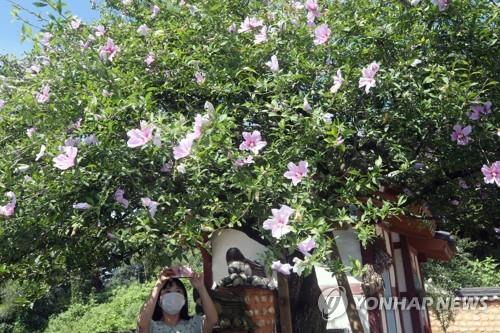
[[284, 304]]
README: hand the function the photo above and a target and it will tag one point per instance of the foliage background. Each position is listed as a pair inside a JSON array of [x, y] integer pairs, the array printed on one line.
[[399, 133]]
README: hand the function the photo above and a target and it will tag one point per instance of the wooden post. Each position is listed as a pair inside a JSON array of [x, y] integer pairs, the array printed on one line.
[[284, 304]]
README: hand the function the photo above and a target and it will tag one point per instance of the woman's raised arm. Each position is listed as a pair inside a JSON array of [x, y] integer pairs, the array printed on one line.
[[146, 314], [211, 316]]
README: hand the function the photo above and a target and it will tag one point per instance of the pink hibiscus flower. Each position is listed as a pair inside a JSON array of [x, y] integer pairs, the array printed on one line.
[[182, 271], [253, 142], [311, 17], [30, 131], [100, 30], [478, 110], [66, 160], [120, 199], [44, 95], [296, 172], [250, 23], [273, 64], [75, 23], [183, 149], [306, 246], [155, 10], [8, 209], [461, 135], [139, 137], [312, 11], [151, 205], [143, 30], [199, 121], [149, 59], [240, 161], [281, 268], [278, 223], [321, 34], [311, 5], [199, 77], [108, 51], [337, 82], [46, 36], [262, 36], [492, 173], [442, 4], [41, 153], [81, 206], [367, 79]]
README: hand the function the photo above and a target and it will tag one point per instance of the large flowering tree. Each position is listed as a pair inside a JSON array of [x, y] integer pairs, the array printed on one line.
[[142, 133]]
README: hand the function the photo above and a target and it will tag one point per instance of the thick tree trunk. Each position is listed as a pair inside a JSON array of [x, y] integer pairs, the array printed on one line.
[[304, 294]]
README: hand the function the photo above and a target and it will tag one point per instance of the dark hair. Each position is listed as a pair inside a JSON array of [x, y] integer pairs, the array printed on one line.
[[184, 314]]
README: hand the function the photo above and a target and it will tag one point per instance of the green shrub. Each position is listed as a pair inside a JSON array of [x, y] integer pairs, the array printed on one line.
[[119, 313]]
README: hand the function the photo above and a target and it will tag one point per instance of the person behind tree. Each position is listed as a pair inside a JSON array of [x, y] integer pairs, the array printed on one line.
[[166, 310]]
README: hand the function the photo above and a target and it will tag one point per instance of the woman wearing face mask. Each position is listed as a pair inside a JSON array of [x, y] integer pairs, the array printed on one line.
[[166, 311]]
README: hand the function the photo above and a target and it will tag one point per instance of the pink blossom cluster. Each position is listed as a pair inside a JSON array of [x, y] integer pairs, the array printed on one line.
[[296, 172], [251, 24], [321, 34], [151, 205], [312, 8], [479, 109], [139, 137], [43, 95], [147, 202], [367, 79], [108, 51], [337, 82], [273, 64], [304, 247], [491, 173], [183, 149], [252, 142], [442, 4], [461, 134], [66, 159], [9, 208]]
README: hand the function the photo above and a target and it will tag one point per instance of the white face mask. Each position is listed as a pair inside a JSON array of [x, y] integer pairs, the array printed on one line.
[[172, 303]]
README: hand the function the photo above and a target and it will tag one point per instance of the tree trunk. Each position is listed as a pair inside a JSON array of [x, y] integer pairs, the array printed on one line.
[[304, 294], [352, 312]]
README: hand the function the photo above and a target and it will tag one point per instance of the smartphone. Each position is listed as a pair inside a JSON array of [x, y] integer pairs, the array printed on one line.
[[182, 272]]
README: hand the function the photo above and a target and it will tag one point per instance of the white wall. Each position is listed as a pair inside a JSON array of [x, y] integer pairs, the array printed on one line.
[[223, 240]]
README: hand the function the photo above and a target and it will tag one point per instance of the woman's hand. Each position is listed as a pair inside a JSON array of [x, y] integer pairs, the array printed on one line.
[[197, 281], [165, 274]]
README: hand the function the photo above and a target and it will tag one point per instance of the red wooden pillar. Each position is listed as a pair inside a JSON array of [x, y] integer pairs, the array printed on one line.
[[207, 265], [410, 283]]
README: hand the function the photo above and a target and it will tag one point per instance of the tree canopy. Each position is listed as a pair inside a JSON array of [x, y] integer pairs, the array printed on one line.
[[138, 135]]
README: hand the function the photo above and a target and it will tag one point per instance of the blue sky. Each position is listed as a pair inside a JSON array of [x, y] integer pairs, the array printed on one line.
[[10, 29]]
